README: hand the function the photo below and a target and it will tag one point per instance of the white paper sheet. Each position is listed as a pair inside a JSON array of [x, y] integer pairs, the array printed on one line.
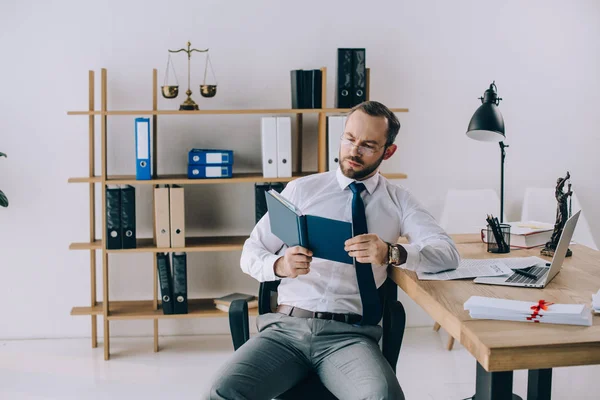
[[469, 268]]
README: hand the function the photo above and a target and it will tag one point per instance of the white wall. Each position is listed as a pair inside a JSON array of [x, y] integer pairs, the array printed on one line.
[[434, 57]]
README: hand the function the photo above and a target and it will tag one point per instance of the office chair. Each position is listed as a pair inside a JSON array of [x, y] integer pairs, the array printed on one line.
[[394, 321]]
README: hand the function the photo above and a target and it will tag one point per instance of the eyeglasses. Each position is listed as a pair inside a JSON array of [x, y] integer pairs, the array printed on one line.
[[367, 150]]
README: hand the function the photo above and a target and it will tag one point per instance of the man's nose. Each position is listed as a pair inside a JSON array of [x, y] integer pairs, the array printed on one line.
[[354, 150]]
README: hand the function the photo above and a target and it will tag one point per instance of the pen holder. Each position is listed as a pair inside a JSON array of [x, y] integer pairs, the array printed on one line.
[[493, 245]]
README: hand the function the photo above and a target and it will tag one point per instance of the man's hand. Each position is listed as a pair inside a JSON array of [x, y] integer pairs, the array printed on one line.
[[296, 261], [367, 248]]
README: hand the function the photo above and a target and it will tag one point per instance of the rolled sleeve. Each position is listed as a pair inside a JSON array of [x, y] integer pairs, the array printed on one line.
[[430, 248]]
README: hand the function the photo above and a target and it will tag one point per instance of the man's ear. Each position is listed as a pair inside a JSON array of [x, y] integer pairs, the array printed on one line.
[[389, 151]]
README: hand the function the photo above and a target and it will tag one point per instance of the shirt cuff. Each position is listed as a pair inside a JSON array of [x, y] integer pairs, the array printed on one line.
[[412, 256], [269, 268]]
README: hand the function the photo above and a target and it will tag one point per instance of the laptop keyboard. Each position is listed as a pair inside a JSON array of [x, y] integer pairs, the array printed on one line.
[[540, 272]]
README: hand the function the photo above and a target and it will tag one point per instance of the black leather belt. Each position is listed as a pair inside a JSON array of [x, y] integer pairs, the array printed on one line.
[[301, 313]]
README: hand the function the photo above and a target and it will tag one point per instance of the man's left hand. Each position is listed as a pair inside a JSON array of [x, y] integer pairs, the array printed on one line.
[[367, 248]]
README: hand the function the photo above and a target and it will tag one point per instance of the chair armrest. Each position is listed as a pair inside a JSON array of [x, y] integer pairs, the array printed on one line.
[[393, 332], [239, 323]]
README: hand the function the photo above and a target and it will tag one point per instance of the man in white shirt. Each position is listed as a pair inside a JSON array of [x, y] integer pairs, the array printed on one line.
[[296, 339]]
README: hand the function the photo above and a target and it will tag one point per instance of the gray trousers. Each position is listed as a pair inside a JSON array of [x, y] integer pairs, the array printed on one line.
[[347, 359]]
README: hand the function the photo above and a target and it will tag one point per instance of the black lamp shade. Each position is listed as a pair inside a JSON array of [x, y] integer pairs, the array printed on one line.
[[487, 123]]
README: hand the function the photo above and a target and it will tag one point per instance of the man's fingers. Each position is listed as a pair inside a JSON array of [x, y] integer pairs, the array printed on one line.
[[300, 258], [302, 271], [358, 247], [357, 254], [301, 265], [367, 237], [301, 250]]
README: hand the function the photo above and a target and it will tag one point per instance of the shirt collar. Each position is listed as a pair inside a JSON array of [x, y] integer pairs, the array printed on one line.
[[344, 181]]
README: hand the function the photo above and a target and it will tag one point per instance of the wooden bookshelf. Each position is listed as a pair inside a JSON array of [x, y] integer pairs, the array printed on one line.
[[180, 179], [192, 244], [143, 309], [151, 309], [224, 112]]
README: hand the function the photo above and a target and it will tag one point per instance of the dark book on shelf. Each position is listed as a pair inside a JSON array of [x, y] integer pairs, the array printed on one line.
[[113, 217], [306, 88], [166, 282], [180, 291], [128, 231]]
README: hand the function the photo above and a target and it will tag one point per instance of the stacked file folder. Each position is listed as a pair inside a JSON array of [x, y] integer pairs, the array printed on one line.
[[209, 163], [528, 311]]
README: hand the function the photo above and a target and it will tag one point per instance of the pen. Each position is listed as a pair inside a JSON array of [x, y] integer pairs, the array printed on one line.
[[526, 274]]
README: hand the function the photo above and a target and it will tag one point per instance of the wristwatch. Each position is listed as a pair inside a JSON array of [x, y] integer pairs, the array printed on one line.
[[393, 254]]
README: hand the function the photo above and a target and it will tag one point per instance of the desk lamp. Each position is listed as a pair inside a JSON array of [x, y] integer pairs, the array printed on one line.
[[487, 125]]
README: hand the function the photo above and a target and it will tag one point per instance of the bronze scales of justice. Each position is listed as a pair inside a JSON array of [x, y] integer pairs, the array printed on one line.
[[171, 91]]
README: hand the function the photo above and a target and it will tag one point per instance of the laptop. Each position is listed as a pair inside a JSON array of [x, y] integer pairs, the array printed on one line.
[[543, 270]]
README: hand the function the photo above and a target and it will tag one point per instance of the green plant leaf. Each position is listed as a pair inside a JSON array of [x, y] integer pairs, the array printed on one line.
[[2, 155], [3, 199]]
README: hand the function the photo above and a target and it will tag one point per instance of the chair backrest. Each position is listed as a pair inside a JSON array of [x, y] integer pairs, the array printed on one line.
[[465, 211], [539, 204]]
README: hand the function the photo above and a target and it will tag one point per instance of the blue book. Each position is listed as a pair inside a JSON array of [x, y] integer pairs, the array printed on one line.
[[210, 157], [325, 237]]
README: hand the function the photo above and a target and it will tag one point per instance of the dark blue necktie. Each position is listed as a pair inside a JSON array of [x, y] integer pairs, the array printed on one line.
[[364, 272]]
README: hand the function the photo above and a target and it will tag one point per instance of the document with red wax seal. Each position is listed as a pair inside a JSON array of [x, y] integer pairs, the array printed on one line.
[[540, 311]]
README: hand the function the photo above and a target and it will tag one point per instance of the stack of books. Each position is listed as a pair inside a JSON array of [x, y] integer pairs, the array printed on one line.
[[223, 303], [596, 302], [528, 311], [527, 234], [209, 163]]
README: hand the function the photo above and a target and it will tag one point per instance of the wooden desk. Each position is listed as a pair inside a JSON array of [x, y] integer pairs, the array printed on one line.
[[503, 346]]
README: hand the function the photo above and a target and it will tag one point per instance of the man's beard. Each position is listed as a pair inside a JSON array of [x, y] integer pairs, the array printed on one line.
[[366, 171]]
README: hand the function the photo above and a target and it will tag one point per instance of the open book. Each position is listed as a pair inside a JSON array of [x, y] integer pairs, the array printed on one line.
[[325, 237], [528, 311]]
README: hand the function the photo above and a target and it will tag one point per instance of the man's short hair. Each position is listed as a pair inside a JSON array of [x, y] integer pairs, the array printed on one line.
[[376, 109]]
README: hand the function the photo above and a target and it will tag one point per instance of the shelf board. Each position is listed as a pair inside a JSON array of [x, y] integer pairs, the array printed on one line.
[[143, 309], [227, 112], [96, 245], [86, 179], [181, 179], [192, 244]]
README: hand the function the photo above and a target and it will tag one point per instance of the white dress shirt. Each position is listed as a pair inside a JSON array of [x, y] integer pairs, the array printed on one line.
[[331, 286]]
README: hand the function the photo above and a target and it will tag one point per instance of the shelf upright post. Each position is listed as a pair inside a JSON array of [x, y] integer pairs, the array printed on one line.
[[92, 187], [299, 128], [103, 161], [155, 175], [368, 84], [322, 140]]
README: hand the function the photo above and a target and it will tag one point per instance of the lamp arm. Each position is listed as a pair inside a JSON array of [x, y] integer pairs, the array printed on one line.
[[502, 157]]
